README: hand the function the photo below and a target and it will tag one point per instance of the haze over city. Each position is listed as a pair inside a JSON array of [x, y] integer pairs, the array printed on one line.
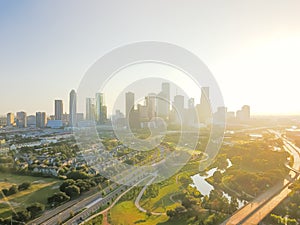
[[153, 112], [252, 48]]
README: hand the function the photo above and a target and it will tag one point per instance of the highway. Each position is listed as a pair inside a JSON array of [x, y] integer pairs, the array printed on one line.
[[261, 206], [96, 205], [87, 200], [267, 208], [58, 214], [91, 204], [53, 212]]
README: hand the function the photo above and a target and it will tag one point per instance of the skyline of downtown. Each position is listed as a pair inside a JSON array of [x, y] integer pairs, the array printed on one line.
[[65, 107], [250, 48]]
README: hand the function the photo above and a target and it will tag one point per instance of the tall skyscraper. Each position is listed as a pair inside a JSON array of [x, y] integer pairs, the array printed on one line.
[[90, 109], [244, 113], [10, 119], [41, 119], [58, 109], [103, 116], [151, 105], [163, 101], [179, 102], [204, 109], [129, 103], [100, 114], [31, 121], [143, 113], [21, 119], [73, 108], [220, 115], [178, 108], [190, 116], [204, 96], [191, 103]]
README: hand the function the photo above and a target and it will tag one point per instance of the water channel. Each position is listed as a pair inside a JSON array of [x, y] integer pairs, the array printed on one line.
[[205, 188]]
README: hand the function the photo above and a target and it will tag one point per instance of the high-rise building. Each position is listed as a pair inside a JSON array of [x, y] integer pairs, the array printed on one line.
[[58, 109], [3, 122], [230, 115], [178, 108], [79, 117], [204, 109], [10, 119], [31, 121], [90, 109], [129, 103], [118, 119], [244, 113], [21, 119], [143, 113], [191, 115], [220, 115], [151, 105], [163, 101], [165, 88], [41, 119], [103, 117], [73, 109], [101, 110], [204, 95], [179, 103], [246, 110], [191, 103]]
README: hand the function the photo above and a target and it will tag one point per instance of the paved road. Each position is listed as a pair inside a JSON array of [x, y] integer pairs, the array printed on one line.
[[138, 199], [94, 206], [62, 213], [260, 207], [53, 212], [291, 148], [87, 210], [241, 214], [266, 209], [108, 208]]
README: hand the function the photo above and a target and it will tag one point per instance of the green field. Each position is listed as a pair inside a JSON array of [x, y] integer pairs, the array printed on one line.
[[40, 190], [125, 213], [162, 202]]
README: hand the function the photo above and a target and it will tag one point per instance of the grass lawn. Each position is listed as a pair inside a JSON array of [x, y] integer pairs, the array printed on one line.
[[162, 202], [125, 213], [40, 190], [180, 221]]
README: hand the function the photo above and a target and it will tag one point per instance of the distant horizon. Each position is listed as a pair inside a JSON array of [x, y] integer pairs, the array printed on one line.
[[251, 49]]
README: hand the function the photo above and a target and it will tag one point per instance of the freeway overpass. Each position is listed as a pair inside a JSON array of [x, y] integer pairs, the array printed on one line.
[[260, 207]]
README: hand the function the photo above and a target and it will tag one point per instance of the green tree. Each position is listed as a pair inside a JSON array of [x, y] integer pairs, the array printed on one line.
[[24, 186], [76, 175], [217, 176], [72, 191], [58, 198], [22, 216], [13, 190], [35, 209], [65, 184]]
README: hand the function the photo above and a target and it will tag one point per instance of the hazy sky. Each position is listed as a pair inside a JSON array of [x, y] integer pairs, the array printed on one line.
[[251, 47]]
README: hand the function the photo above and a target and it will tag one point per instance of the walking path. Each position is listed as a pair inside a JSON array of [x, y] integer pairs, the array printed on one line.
[[137, 201], [105, 211]]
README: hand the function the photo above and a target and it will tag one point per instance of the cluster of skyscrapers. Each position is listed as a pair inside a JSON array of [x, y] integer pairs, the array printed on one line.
[[161, 106], [137, 115], [95, 110]]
